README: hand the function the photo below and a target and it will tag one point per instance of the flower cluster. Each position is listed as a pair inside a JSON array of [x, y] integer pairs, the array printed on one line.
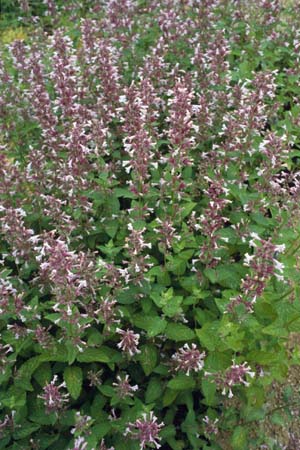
[[211, 426], [146, 430], [80, 444], [123, 387], [82, 425], [188, 359], [54, 399], [6, 423], [263, 264], [129, 342], [235, 375], [4, 351]]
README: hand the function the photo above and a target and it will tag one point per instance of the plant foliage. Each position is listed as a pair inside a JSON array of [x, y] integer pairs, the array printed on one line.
[[149, 223]]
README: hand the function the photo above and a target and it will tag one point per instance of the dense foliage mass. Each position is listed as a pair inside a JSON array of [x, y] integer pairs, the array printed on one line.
[[149, 223]]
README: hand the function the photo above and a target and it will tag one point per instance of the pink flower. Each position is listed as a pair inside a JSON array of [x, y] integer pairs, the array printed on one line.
[[187, 359], [234, 375], [53, 398], [211, 426], [7, 422], [146, 430], [123, 388], [129, 341], [107, 312], [4, 350], [80, 444]]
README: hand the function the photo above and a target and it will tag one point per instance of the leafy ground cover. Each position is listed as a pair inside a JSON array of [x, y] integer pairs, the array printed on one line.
[[149, 225]]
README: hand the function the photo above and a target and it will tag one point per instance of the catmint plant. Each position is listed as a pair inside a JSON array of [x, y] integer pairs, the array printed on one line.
[[149, 223]]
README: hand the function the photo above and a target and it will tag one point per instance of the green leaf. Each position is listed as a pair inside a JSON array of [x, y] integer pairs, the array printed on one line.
[[176, 265], [208, 388], [253, 414], [73, 378], [107, 390], [95, 338], [262, 357], [278, 419], [209, 336], [239, 439], [276, 329], [39, 416], [179, 332], [169, 397], [186, 209], [123, 192], [154, 325], [181, 383], [101, 430], [102, 354], [256, 396], [43, 374], [173, 308], [175, 445], [72, 352], [218, 360], [148, 358], [154, 390], [24, 430], [45, 440], [14, 398], [25, 372], [226, 275], [111, 228]]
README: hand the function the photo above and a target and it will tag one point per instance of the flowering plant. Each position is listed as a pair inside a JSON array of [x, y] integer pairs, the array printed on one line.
[[149, 223]]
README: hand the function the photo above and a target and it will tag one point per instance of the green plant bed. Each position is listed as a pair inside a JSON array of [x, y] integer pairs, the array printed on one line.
[[149, 225]]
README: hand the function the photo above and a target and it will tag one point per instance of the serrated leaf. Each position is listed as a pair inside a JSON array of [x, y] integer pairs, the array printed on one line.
[[179, 332], [24, 430], [25, 372], [154, 325], [102, 354], [111, 228], [169, 397], [15, 398], [148, 358], [175, 445], [95, 338], [253, 414], [276, 329], [262, 357], [58, 354], [168, 431], [181, 383], [123, 192], [106, 390], [45, 440], [101, 430], [72, 352], [239, 439], [208, 335], [43, 374], [4, 441], [73, 377], [154, 390], [208, 388], [186, 209], [39, 416]]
